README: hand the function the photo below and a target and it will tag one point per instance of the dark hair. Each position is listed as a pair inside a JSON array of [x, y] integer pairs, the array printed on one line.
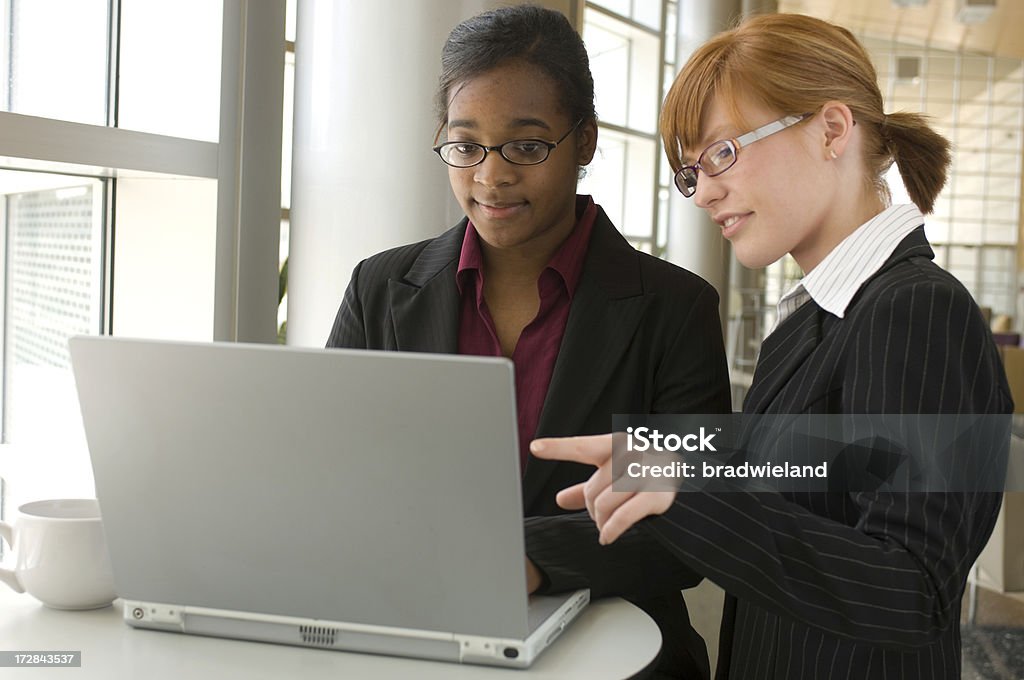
[[538, 36]]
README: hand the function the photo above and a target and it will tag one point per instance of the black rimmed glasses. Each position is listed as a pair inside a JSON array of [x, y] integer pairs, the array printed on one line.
[[517, 152], [721, 155]]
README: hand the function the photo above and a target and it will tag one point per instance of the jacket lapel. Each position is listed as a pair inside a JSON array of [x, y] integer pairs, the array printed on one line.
[[789, 346], [425, 304], [782, 353], [605, 313]]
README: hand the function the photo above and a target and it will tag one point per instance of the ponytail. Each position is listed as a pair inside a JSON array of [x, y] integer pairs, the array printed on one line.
[[921, 154]]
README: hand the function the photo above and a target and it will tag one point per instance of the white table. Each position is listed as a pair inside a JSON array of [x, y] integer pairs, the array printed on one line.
[[611, 639]]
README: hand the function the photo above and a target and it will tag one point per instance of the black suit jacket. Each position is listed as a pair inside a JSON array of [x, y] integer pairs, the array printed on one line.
[[855, 585], [643, 336]]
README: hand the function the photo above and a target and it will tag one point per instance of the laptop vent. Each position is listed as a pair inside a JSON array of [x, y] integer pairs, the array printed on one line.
[[317, 636]]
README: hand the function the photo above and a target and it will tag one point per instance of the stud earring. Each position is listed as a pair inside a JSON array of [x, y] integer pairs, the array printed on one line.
[[832, 153]]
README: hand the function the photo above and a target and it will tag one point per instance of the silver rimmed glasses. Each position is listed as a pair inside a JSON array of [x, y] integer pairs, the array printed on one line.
[[518, 151], [721, 155]]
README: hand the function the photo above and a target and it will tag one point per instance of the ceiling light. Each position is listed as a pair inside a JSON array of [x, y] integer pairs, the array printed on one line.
[[908, 70], [974, 11]]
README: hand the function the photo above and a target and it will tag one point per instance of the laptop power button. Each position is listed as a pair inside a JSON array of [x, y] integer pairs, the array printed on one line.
[[511, 652]]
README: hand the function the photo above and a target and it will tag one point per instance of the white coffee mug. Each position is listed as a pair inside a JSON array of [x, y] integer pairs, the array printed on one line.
[[60, 554]]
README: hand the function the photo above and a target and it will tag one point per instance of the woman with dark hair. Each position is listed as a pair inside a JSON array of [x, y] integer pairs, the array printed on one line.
[[540, 275], [777, 129]]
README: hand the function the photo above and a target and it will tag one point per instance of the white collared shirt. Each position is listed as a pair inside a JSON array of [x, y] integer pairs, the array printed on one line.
[[838, 277]]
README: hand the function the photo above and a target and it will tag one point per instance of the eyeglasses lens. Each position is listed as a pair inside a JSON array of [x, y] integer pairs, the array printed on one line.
[[686, 181], [717, 158], [462, 155], [525, 152]]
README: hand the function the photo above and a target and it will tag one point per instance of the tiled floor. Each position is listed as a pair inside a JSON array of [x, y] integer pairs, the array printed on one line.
[[993, 645]]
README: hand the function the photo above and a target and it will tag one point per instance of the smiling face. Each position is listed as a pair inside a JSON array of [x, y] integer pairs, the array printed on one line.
[[529, 208], [780, 195]]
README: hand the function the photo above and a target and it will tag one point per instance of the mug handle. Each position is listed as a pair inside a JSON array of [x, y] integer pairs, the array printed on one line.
[[8, 576]]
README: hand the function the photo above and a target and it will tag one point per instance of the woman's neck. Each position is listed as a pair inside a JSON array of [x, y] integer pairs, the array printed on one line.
[[523, 263], [839, 226]]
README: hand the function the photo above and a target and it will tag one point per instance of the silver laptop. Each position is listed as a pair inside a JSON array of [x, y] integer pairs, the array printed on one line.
[[350, 500]]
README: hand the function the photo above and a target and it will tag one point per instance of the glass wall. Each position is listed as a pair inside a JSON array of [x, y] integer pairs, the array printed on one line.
[[977, 102]]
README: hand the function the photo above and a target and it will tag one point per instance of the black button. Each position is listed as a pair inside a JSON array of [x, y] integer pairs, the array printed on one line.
[[511, 652]]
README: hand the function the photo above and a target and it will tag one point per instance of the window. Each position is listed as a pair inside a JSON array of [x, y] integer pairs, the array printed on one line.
[[69, 83], [109, 209], [288, 116], [53, 288], [632, 48]]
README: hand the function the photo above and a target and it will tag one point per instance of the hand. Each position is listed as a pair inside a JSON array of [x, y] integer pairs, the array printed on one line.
[[533, 577], [614, 512]]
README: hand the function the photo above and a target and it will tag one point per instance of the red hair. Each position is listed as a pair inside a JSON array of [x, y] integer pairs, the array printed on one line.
[[794, 64]]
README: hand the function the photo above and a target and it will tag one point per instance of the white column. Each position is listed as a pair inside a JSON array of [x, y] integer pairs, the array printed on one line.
[[760, 7], [695, 242], [363, 176]]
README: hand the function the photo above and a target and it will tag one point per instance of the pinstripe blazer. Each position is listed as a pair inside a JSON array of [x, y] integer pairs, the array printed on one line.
[[858, 585], [643, 336]]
